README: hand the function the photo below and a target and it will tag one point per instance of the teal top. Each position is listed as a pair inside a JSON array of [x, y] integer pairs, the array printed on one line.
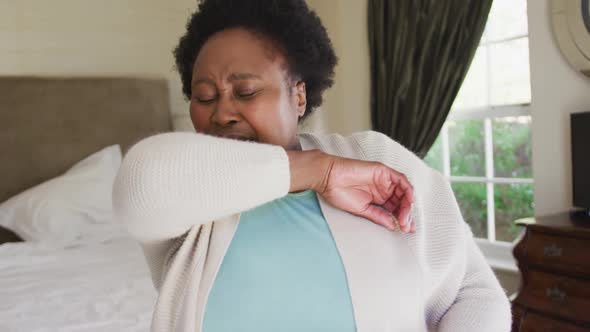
[[282, 272]]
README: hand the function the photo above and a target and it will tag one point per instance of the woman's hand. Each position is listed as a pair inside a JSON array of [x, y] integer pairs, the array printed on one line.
[[368, 189]]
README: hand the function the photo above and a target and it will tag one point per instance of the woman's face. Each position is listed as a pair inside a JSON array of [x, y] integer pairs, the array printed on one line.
[[240, 87]]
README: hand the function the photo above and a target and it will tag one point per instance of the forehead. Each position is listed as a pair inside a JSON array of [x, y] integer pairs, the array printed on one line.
[[239, 50]]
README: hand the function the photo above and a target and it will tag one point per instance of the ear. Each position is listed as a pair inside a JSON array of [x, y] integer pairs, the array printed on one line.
[[300, 95]]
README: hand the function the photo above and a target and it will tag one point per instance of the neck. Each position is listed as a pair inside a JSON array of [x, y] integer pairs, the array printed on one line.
[[295, 146]]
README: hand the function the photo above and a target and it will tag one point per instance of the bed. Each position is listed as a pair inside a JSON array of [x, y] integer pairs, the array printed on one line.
[[64, 264]]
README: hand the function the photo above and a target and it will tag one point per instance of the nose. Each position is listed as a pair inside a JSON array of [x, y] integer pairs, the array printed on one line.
[[225, 112]]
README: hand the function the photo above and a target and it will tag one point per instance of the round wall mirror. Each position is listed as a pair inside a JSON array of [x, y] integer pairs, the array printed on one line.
[[571, 26]]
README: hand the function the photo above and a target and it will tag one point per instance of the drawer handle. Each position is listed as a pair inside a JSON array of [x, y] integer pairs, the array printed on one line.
[[552, 250], [555, 294]]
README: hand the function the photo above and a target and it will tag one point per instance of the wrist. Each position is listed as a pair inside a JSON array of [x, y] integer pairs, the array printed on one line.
[[308, 169], [324, 165]]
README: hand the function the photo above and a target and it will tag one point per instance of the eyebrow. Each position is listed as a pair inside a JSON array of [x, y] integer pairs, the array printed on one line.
[[232, 77], [203, 80], [242, 76]]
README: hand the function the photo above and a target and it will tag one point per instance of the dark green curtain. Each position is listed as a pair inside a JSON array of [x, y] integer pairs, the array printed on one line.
[[420, 52]]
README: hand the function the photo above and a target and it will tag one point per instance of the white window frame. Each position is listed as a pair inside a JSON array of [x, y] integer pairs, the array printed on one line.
[[498, 253], [487, 115]]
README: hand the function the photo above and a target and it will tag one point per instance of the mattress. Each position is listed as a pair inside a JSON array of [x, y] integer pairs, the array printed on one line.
[[104, 285]]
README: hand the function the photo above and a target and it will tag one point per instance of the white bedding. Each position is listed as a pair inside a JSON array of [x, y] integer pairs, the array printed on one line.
[[103, 285]]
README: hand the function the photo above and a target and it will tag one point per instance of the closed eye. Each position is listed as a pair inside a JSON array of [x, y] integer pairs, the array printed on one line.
[[204, 101], [247, 95]]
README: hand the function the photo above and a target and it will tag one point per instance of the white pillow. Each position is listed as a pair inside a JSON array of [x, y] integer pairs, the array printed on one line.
[[62, 210]]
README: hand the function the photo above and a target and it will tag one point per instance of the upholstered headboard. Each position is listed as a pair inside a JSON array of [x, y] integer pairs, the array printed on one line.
[[48, 124]]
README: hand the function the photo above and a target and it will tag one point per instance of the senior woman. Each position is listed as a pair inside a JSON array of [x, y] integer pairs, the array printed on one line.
[[248, 226]]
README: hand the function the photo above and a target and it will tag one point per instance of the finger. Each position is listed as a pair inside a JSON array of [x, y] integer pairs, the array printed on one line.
[[396, 206], [395, 198], [401, 192], [401, 199], [390, 205], [402, 183], [379, 216], [413, 228], [407, 227], [395, 211], [404, 209]]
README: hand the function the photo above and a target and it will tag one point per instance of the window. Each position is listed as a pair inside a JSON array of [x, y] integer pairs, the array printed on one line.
[[484, 147]]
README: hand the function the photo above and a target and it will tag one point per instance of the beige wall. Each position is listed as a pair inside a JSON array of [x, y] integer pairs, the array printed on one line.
[[556, 91], [98, 38], [346, 105]]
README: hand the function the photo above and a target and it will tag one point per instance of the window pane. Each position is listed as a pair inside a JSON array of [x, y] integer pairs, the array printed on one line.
[[473, 203], [467, 149], [509, 72], [474, 92], [512, 201], [512, 147], [434, 158], [507, 19]]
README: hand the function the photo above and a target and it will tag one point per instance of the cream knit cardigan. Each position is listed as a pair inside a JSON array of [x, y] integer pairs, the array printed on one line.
[[181, 194]]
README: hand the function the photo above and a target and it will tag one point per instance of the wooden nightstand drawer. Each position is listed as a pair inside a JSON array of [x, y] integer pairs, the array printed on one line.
[[563, 253], [558, 295], [536, 323]]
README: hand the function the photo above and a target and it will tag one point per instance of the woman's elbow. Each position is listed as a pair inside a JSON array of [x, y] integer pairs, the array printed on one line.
[[135, 191]]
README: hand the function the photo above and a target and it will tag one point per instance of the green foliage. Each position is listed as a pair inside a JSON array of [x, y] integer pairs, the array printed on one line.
[[467, 147], [512, 145], [512, 158], [472, 199], [434, 158], [512, 201]]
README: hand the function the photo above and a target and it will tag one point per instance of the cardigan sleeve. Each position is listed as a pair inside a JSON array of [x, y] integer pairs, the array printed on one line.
[[466, 295], [463, 294], [481, 304], [170, 182]]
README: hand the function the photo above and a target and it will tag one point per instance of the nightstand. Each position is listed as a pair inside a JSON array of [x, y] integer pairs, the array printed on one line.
[[554, 260]]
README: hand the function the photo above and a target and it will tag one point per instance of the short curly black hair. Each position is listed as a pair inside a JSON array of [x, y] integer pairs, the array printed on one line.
[[295, 29]]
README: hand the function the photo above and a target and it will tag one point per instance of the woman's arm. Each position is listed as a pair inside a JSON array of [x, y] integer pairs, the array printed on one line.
[[170, 182]]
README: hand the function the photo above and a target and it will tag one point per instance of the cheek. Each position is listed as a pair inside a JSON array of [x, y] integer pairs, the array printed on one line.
[[199, 117], [263, 113], [272, 119]]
